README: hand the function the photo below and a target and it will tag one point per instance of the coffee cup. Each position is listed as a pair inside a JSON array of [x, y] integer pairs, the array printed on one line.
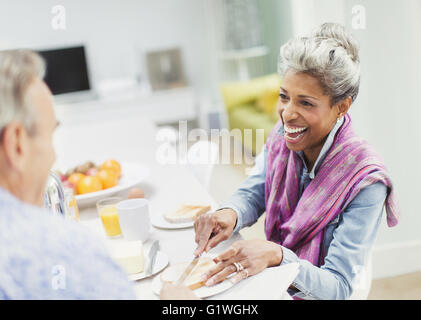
[[133, 215]]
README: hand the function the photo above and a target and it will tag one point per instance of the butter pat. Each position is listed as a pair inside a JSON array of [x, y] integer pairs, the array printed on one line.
[[129, 255]]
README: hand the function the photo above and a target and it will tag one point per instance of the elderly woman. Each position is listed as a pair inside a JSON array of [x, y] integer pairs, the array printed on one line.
[[322, 187]]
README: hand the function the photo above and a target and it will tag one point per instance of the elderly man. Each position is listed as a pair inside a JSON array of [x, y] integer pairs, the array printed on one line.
[[41, 256]]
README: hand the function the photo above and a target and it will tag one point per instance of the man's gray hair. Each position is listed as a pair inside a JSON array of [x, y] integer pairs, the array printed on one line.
[[331, 55], [18, 68]]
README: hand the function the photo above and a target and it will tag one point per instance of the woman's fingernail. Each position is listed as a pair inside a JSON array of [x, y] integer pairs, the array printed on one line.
[[203, 277]]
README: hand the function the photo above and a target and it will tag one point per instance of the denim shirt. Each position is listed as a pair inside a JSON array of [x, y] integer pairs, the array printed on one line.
[[46, 257], [348, 239]]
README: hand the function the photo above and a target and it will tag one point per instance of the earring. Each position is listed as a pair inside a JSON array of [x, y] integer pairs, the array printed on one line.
[[339, 119]]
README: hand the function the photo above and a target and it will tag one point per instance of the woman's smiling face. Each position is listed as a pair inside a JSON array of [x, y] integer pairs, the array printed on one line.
[[307, 114]]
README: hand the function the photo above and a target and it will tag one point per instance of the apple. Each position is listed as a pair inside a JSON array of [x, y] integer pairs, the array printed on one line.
[[68, 184]]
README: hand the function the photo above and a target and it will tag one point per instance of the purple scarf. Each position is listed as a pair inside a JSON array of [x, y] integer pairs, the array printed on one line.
[[299, 223]]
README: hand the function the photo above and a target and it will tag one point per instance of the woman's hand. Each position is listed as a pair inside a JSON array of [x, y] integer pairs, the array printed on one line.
[[170, 291], [212, 228], [253, 255]]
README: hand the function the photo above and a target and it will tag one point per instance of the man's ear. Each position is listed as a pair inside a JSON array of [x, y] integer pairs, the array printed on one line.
[[15, 144]]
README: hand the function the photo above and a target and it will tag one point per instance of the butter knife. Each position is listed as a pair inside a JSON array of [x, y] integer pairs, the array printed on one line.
[[187, 271], [152, 257]]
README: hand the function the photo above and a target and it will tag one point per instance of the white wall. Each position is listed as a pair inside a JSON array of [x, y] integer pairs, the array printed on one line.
[[113, 31], [308, 14], [388, 110]]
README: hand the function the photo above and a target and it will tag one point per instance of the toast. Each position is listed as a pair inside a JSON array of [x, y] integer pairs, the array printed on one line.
[[186, 213], [193, 280]]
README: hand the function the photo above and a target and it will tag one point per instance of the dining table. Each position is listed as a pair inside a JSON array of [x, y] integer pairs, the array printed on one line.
[[166, 186]]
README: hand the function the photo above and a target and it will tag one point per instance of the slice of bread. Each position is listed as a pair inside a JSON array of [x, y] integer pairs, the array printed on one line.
[[193, 281], [186, 213]]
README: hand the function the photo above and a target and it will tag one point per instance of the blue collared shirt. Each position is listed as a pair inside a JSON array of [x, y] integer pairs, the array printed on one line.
[[348, 239], [46, 257]]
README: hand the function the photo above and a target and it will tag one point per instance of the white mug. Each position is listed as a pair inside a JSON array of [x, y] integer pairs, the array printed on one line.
[[133, 215]]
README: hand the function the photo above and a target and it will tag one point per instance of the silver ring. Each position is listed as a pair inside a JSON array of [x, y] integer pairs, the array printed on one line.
[[237, 266], [241, 266]]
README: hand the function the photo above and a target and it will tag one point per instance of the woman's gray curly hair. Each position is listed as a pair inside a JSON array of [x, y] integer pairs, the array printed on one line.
[[18, 68], [331, 55]]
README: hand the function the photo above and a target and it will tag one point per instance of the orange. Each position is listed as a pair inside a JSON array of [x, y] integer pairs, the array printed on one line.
[[89, 184], [109, 178], [112, 164], [75, 178]]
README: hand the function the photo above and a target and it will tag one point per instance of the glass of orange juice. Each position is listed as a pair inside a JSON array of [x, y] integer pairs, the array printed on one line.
[[107, 210], [72, 211]]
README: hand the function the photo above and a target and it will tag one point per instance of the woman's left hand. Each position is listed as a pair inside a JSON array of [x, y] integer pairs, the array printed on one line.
[[252, 255]]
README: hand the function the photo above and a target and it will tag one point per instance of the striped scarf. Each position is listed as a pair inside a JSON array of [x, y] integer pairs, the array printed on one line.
[[299, 223]]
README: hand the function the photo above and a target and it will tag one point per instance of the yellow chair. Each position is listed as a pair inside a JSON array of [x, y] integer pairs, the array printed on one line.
[[252, 105]]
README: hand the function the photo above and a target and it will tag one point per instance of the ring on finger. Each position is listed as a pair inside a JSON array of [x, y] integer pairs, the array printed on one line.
[[241, 268], [238, 266]]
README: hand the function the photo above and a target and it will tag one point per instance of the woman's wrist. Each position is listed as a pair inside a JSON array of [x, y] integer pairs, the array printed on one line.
[[277, 256], [233, 215]]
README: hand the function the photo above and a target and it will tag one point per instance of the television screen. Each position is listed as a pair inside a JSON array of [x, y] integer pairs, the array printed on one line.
[[66, 70]]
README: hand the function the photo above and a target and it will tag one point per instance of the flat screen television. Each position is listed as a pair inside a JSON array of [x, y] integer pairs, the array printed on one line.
[[67, 70]]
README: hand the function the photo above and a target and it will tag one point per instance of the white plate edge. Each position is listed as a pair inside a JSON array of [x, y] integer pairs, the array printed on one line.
[[157, 285], [135, 277]]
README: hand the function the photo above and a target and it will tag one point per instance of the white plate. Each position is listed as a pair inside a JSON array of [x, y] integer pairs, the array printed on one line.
[[202, 292], [160, 263], [131, 175], [158, 221]]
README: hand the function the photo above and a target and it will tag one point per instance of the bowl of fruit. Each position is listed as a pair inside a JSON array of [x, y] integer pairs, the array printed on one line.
[[92, 181]]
